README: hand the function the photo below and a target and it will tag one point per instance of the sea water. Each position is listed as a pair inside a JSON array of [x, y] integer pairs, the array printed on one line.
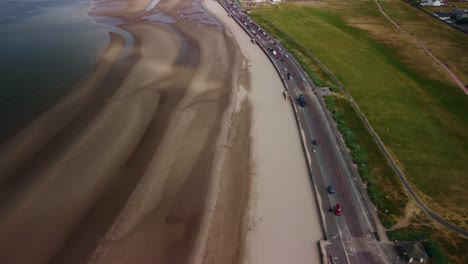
[[46, 47]]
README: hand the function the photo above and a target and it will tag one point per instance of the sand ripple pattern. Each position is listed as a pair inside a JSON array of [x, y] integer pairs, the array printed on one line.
[[118, 171]]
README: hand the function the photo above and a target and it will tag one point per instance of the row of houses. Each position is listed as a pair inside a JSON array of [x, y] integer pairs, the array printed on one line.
[[452, 16], [431, 3]]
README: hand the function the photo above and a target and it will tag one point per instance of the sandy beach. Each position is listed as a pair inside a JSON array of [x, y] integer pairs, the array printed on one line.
[[118, 170], [282, 219], [176, 147]]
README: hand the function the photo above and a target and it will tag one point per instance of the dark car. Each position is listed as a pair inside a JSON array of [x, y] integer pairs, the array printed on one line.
[[315, 142], [330, 189], [301, 100], [337, 209]]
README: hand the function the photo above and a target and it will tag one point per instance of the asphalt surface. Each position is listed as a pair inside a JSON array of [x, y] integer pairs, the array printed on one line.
[[351, 235]]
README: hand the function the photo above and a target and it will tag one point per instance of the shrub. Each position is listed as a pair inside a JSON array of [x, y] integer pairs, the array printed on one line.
[[407, 235], [434, 252]]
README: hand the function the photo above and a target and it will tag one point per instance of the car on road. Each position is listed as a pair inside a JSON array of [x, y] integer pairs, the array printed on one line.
[[337, 209], [285, 69], [289, 76], [303, 78], [301, 100], [315, 142], [330, 189], [286, 55]]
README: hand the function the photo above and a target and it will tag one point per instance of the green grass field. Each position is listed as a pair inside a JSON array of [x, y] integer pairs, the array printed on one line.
[[420, 116]]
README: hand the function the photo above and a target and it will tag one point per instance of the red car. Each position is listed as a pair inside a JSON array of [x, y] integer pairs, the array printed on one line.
[[337, 209]]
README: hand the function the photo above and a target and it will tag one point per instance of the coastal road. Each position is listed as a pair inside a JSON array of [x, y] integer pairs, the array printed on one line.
[[380, 144], [351, 236]]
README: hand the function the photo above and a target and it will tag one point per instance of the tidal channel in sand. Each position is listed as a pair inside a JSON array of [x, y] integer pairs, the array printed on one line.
[[149, 159]]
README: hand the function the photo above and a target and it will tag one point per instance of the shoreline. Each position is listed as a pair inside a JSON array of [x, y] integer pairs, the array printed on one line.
[[23, 145], [164, 156]]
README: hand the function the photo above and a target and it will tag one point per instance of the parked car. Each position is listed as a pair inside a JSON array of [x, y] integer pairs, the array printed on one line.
[[303, 78], [331, 190], [337, 209], [315, 142]]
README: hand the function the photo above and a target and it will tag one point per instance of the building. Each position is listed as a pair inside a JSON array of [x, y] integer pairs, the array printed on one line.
[[413, 251], [434, 3]]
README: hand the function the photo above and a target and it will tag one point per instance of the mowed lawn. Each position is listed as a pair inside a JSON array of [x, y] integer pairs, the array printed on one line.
[[422, 118]]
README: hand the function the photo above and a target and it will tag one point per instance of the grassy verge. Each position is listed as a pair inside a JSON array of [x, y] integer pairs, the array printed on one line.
[[383, 186]]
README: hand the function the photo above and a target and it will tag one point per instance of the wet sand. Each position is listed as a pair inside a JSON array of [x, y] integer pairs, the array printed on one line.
[[156, 153], [119, 170]]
